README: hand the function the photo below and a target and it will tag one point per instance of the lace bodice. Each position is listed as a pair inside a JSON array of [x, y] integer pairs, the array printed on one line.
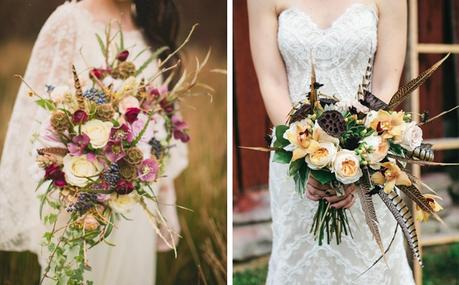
[[340, 54], [68, 37]]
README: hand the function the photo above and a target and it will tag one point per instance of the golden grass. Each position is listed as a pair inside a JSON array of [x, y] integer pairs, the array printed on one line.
[[202, 187]]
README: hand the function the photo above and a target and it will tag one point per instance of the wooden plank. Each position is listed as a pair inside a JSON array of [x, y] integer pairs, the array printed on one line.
[[444, 143], [440, 239], [438, 48]]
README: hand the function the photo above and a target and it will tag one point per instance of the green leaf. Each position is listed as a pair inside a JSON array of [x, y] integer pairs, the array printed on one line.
[[301, 178], [150, 59], [324, 177], [295, 166], [396, 148], [46, 104], [101, 44], [279, 131], [282, 156]]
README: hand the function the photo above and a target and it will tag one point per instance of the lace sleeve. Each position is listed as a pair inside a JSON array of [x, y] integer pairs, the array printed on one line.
[[50, 63]]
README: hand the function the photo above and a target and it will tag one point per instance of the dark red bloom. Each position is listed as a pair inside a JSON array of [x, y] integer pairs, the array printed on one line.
[[79, 117], [124, 187], [99, 73], [122, 56], [132, 114], [54, 173], [167, 106], [180, 129]]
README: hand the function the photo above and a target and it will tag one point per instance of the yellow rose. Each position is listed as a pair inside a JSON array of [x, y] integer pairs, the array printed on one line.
[[347, 167], [322, 156], [78, 169], [98, 132]]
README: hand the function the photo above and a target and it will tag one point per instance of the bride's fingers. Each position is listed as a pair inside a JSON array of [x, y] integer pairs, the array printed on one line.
[[312, 197], [344, 203], [316, 184], [349, 188], [334, 198], [317, 192]]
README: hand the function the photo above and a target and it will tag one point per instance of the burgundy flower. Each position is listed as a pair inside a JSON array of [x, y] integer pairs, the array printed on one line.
[[167, 106], [123, 133], [98, 73], [54, 173], [124, 187], [122, 56], [114, 151], [79, 117], [132, 114], [78, 145], [180, 129], [148, 170]]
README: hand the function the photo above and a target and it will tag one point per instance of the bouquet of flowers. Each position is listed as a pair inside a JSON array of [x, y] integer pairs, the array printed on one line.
[[113, 140], [364, 142]]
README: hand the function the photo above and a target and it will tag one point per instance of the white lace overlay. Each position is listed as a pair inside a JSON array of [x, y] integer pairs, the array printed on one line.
[[68, 37], [340, 54]]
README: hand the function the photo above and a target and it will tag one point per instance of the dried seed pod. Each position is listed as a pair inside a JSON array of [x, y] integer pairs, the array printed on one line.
[[422, 152], [124, 70], [105, 112], [332, 122], [134, 156], [371, 101], [60, 122]]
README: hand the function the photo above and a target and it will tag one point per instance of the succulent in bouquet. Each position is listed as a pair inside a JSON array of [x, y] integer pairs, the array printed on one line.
[[110, 140]]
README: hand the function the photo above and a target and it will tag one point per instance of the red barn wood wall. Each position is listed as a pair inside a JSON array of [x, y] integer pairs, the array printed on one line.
[[250, 120]]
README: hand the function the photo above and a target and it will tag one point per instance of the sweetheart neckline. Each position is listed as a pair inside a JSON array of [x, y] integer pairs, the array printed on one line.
[[336, 21]]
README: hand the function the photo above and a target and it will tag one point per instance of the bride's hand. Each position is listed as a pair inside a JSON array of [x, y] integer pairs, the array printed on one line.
[[316, 191]]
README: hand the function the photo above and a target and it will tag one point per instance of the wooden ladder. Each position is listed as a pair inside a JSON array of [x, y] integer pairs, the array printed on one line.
[[415, 49]]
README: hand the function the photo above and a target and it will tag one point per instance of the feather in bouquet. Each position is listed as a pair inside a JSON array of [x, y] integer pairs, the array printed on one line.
[[113, 139], [365, 142]]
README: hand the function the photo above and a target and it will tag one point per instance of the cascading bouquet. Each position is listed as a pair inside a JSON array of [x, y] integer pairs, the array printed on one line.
[[112, 141], [363, 141]]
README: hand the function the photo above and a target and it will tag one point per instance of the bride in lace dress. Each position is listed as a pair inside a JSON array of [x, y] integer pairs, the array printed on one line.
[[68, 37], [339, 36]]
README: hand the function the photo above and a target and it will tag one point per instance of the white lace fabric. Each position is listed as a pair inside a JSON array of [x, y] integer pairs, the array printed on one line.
[[68, 37], [340, 54]]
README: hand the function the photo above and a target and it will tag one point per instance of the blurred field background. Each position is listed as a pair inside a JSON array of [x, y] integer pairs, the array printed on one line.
[[202, 187]]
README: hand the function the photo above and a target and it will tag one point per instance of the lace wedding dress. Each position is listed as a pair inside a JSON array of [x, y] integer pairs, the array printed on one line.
[[340, 54], [68, 37]]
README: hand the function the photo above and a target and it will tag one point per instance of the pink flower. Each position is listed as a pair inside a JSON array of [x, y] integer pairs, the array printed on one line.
[[122, 56], [138, 126], [148, 170], [114, 151], [123, 133], [54, 173], [131, 115], [78, 145], [79, 117], [102, 198], [180, 129], [124, 187]]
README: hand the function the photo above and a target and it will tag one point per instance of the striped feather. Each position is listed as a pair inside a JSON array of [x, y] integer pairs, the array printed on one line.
[[403, 93], [403, 216], [52, 151], [422, 162], [368, 208], [313, 97], [78, 89], [416, 196]]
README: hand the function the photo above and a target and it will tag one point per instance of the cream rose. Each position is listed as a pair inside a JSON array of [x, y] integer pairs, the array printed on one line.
[[411, 136], [128, 102], [321, 136], [322, 157], [379, 148], [123, 203], [78, 169], [129, 88], [347, 167], [98, 132], [371, 116]]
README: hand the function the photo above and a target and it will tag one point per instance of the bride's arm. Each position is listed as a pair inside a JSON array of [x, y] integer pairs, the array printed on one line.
[[390, 55], [268, 63]]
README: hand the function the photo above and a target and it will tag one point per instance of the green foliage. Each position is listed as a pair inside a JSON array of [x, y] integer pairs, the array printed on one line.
[[300, 172], [46, 104], [396, 148], [251, 277], [441, 265], [280, 141], [282, 156], [324, 177], [154, 56]]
